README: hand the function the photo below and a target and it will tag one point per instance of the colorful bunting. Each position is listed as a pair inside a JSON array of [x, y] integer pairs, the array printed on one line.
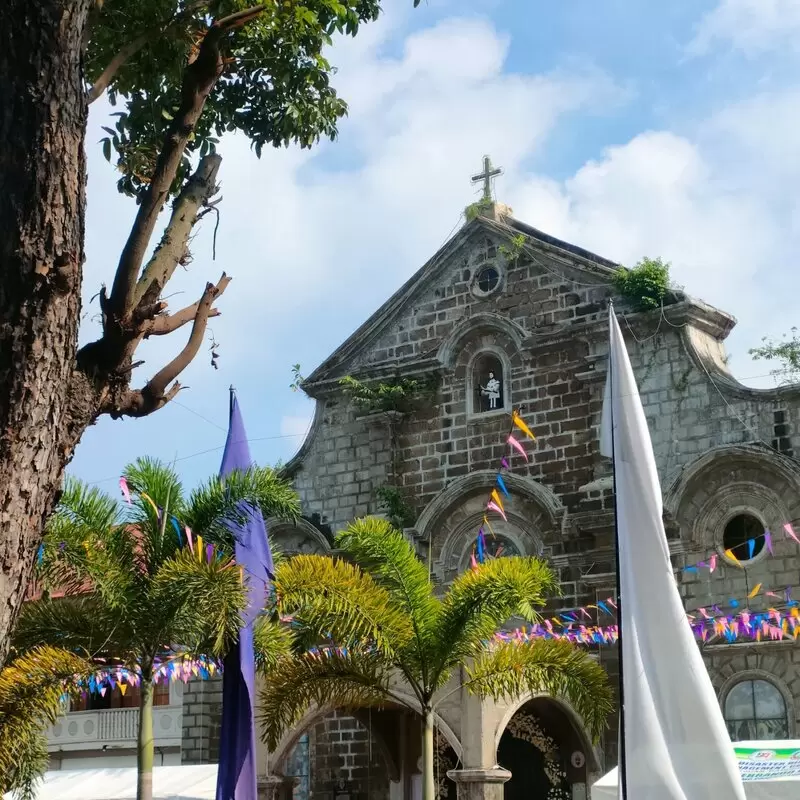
[[517, 446], [520, 423], [123, 485]]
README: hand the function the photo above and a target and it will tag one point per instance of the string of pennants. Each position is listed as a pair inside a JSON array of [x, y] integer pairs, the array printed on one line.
[[164, 671], [193, 541], [773, 624], [499, 493], [499, 496]]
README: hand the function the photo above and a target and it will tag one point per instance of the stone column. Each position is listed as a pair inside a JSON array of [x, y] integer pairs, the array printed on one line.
[[479, 784], [276, 787]]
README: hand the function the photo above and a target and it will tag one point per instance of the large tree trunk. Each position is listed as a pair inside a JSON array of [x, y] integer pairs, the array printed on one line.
[[42, 203]]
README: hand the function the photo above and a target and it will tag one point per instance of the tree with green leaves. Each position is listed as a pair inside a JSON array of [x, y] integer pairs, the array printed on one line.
[[786, 352], [180, 74], [375, 617], [32, 690], [150, 581]]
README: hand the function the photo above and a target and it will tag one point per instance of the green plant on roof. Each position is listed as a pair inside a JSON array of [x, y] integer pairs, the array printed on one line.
[[645, 285]]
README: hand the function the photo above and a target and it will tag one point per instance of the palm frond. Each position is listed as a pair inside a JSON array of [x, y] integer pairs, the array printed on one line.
[[479, 601], [83, 625], [221, 505], [90, 510], [200, 601], [551, 666], [32, 688], [382, 551], [340, 678], [333, 599], [87, 546], [159, 481], [272, 641], [158, 498]]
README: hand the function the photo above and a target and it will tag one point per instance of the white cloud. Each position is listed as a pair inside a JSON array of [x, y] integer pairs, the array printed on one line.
[[720, 206], [316, 241], [752, 26]]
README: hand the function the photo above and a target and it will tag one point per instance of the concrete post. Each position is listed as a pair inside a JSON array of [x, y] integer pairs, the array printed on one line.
[[479, 784]]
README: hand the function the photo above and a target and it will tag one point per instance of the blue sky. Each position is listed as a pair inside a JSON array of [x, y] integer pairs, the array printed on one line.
[[628, 128]]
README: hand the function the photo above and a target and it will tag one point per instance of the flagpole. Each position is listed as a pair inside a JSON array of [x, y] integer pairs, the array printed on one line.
[[623, 780]]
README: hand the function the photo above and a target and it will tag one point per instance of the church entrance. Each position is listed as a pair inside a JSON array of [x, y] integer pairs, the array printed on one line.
[[544, 753]]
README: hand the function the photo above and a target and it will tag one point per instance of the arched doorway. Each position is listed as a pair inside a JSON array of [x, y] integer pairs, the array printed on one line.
[[544, 752]]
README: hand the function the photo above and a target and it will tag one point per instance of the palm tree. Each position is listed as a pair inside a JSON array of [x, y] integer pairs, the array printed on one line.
[[32, 687], [149, 581], [376, 610]]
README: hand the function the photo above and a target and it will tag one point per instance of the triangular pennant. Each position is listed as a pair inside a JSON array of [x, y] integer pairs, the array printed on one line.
[[496, 497], [494, 507], [502, 484], [768, 541], [520, 423], [751, 548], [790, 531], [731, 556], [755, 591], [517, 446]]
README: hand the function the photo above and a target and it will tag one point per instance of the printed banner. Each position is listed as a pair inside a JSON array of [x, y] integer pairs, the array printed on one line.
[[764, 763]]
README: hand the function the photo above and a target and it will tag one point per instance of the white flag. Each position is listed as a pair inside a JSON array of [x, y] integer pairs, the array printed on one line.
[[676, 743]]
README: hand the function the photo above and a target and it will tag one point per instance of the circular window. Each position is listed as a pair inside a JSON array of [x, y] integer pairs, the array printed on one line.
[[744, 537], [500, 547], [487, 280]]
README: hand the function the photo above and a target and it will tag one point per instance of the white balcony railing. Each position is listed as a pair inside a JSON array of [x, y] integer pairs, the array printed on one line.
[[88, 730]]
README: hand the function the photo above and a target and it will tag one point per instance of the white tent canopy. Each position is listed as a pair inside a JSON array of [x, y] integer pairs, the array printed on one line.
[[169, 783], [771, 771]]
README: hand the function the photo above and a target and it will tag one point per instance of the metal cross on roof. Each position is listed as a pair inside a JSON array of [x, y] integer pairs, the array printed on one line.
[[486, 176]]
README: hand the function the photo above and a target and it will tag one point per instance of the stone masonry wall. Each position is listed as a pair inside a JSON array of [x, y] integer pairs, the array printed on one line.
[[340, 750], [719, 447], [202, 716]]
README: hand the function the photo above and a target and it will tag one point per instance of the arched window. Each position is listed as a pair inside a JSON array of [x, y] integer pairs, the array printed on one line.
[[755, 709], [488, 384]]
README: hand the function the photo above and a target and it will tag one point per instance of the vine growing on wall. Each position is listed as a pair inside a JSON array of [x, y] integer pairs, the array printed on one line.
[[396, 398]]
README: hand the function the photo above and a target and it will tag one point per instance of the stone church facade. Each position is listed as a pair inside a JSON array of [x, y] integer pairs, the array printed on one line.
[[504, 298]]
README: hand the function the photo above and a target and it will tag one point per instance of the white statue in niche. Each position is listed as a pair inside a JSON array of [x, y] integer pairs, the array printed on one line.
[[491, 390]]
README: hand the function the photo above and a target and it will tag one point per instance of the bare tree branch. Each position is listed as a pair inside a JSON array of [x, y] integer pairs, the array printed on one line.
[[199, 79], [167, 323], [154, 394], [195, 194]]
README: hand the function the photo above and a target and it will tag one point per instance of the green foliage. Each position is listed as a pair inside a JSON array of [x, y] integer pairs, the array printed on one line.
[[376, 616], [514, 249], [396, 506], [645, 285], [275, 87], [787, 352], [474, 210], [400, 395], [297, 378], [554, 666], [136, 592], [32, 688]]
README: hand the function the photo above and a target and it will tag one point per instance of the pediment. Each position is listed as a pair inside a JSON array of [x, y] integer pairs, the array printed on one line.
[[419, 327]]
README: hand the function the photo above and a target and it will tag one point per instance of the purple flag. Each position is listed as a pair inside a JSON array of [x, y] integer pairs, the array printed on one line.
[[236, 777]]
